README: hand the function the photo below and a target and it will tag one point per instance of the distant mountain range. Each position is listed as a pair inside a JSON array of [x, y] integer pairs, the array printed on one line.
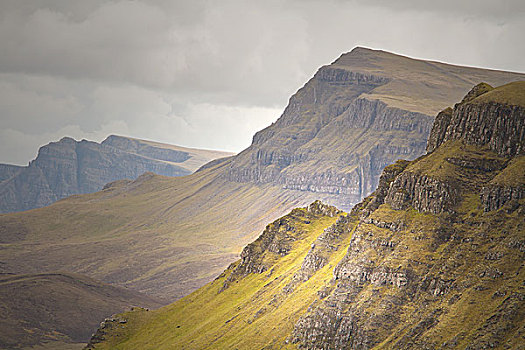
[[433, 259], [355, 116], [69, 167], [168, 236]]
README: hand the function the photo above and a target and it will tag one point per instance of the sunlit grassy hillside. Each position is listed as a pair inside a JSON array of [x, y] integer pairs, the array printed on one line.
[[426, 280]]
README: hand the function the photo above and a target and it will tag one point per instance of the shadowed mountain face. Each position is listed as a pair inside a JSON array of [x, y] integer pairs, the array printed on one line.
[[433, 259], [169, 236], [58, 308], [69, 167]]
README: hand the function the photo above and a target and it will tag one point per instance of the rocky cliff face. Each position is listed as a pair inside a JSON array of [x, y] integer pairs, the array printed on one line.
[[331, 99], [347, 123], [422, 192], [69, 167], [7, 171], [432, 259], [381, 277], [483, 120]]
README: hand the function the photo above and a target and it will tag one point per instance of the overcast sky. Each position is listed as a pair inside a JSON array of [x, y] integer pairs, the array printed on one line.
[[209, 74]]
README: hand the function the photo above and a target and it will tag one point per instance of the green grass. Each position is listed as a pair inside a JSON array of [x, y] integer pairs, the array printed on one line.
[[253, 312], [513, 174], [437, 166], [509, 94], [147, 233], [420, 86]]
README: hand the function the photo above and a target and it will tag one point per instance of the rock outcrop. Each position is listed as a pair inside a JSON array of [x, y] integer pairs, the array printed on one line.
[[69, 167], [494, 197], [384, 273], [422, 192], [276, 240], [484, 120]]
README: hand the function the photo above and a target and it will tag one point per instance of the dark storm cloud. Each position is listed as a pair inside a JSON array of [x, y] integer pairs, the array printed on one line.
[[210, 73]]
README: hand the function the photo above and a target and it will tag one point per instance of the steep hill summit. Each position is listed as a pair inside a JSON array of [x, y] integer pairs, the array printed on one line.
[[431, 260], [355, 116], [69, 167], [486, 116]]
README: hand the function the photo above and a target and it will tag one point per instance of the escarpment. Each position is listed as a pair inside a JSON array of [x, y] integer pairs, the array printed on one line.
[[348, 122], [486, 119], [391, 267], [352, 173], [431, 259], [361, 113]]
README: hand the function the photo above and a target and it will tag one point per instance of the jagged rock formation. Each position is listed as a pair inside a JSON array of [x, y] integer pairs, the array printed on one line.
[[422, 192], [494, 197], [354, 117], [69, 167], [428, 261], [278, 238]]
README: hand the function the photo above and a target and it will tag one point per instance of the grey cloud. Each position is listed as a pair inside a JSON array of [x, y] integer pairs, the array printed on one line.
[[480, 8], [210, 74]]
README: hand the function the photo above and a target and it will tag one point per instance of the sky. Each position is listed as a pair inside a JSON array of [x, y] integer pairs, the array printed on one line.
[[209, 74]]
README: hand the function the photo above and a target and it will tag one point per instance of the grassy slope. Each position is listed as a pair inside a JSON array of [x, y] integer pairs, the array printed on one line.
[[146, 234], [252, 313], [483, 295], [509, 94], [421, 86], [58, 309], [438, 167]]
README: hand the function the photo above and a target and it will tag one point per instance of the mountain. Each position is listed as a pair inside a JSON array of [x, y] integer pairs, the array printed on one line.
[[432, 259], [58, 310], [169, 236], [69, 167], [355, 116]]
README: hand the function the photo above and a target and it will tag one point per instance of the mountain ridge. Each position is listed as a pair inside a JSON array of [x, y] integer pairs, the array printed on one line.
[[363, 95], [422, 263]]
